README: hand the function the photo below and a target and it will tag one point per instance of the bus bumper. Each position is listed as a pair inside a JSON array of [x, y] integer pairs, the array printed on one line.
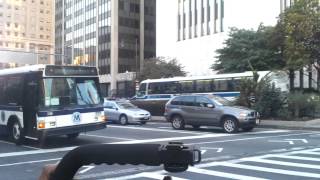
[[72, 129]]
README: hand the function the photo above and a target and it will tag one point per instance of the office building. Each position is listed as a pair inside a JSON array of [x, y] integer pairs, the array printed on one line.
[[197, 18], [114, 35], [27, 26]]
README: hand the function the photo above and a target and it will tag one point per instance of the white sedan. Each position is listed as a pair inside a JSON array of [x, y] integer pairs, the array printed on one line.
[[124, 112]]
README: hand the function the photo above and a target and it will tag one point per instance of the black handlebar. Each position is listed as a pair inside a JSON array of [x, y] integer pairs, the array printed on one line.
[[174, 156]]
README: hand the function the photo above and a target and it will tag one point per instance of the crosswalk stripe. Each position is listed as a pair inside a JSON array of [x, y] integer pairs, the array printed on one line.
[[158, 176], [283, 163], [312, 153], [271, 170], [296, 157], [222, 174]]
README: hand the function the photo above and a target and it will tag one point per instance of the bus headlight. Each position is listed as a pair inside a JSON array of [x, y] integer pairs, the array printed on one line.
[[41, 125]]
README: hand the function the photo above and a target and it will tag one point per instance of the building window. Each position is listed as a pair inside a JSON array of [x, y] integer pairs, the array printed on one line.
[[8, 33], [0, 43], [15, 33], [16, 25], [8, 24], [17, 45], [41, 36]]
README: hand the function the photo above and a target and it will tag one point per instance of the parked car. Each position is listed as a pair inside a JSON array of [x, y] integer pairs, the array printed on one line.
[[124, 112], [154, 103], [209, 110]]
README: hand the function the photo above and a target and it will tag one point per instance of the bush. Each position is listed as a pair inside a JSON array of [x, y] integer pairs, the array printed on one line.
[[261, 96], [302, 105], [268, 100]]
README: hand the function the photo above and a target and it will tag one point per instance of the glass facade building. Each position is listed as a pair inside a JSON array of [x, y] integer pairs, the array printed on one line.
[[114, 35], [197, 18]]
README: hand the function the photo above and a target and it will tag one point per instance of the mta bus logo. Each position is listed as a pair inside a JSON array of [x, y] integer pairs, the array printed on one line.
[[76, 117]]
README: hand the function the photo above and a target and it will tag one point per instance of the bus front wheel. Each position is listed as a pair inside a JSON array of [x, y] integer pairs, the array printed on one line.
[[16, 132]]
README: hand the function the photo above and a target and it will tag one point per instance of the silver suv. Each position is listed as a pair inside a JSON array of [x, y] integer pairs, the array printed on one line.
[[209, 110]]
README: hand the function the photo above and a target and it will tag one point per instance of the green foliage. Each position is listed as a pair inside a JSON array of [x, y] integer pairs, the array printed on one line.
[[299, 27], [302, 105], [260, 48], [261, 96], [160, 68]]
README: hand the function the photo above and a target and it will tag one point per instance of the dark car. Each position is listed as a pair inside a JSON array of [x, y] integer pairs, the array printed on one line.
[[209, 110]]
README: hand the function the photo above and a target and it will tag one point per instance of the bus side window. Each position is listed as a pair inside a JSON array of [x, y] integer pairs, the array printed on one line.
[[14, 90]]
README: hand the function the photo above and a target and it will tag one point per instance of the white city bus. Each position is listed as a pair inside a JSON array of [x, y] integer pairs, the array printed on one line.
[[224, 85], [45, 100]]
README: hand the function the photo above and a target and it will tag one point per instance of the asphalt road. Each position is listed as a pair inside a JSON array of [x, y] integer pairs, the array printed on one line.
[[260, 154]]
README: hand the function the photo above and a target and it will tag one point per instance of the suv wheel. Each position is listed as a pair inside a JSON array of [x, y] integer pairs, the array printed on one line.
[[177, 122], [230, 125]]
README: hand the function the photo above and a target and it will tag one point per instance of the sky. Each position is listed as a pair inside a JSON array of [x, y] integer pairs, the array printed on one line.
[[198, 55]]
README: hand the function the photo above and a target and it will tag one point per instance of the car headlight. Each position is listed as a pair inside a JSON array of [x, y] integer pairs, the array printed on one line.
[[243, 115]]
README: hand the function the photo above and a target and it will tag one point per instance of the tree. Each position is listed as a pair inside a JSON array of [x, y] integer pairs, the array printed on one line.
[[300, 27], [155, 68], [247, 46]]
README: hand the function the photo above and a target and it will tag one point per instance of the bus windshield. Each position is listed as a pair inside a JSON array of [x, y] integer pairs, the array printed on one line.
[[70, 91]]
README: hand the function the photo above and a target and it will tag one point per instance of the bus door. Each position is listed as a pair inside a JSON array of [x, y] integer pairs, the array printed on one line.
[[31, 103]]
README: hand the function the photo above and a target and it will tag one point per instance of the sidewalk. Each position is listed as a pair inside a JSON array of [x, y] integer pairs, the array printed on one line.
[[276, 124]]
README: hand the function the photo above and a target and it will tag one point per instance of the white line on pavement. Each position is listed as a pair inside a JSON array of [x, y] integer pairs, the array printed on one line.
[[41, 151], [30, 147], [108, 137], [244, 139], [271, 170], [173, 139], [222, 174], [283, 163], [313, 153], [296, 157], [29, 162], [159, 130], [157, 176]]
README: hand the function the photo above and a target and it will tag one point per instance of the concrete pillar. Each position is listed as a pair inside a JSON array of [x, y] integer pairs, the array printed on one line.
[[114, 44]]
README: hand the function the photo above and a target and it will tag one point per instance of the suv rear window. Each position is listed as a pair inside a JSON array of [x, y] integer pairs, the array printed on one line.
[[184, 100]]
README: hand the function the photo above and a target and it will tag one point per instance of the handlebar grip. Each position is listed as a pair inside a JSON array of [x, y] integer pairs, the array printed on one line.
[[175, 158]]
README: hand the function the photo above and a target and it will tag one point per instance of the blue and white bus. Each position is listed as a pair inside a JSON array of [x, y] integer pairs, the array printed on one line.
[[46, 100], [224, 85]]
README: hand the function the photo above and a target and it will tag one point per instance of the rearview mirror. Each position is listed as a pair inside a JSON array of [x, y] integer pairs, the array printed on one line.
[[210, 105]]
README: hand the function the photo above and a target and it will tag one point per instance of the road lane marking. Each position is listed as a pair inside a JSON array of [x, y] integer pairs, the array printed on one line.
[[41, 151], [86, 169], [297, 157], [159, 130], [211, 148], [30, 147], [29, 162], [108, 137], [222, 174], [283, 163], [312, 153], [290, 141], [157, 176], [245, 139], [173, 139], [271, 170]]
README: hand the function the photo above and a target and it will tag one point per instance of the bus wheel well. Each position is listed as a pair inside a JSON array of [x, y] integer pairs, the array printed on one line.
[[11, 119]]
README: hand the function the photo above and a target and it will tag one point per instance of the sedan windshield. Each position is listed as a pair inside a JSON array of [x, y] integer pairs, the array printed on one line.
[[126, 105], [70, 91]]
